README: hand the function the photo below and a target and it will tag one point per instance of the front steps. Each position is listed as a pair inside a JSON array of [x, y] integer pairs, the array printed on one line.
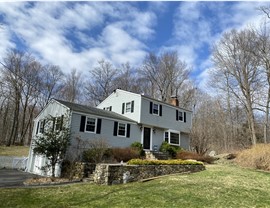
[[155, 155]]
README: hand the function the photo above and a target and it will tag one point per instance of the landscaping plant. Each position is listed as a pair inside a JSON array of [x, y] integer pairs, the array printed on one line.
[[53, 142]]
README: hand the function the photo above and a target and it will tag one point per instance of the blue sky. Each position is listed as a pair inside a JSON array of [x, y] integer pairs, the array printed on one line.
[[78, 34]]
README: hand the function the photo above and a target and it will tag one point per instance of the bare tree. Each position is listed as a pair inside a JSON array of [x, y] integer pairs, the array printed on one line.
[[127, 79], [234, 61], [101, 84], [73, 84], [165, 73], [52, 83]]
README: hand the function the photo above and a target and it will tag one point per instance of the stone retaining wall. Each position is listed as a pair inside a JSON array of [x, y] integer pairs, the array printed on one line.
[[108, 174]]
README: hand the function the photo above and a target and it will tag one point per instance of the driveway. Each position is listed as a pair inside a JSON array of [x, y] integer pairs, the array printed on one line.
[[13, 178]]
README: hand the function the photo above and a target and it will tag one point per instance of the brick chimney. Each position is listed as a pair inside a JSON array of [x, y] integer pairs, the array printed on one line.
[[174, 101]]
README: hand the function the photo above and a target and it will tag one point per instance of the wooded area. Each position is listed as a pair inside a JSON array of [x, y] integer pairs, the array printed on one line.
[[232, 113]]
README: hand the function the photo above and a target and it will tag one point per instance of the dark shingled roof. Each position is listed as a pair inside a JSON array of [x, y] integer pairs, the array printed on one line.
[[93, 111]]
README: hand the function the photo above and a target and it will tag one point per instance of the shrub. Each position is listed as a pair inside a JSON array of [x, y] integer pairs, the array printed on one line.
[[163, 162], [96, 151], [184, 155], [172, 150], [257, 157], [138, 146], [125, 154]]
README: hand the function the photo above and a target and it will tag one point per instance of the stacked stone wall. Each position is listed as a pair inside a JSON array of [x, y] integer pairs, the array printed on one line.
[[108, 174]]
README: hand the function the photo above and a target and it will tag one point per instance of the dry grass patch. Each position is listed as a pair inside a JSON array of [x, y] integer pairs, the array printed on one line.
[[257, 157], [18, 151]]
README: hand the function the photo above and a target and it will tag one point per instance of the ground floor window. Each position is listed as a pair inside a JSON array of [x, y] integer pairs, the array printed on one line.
[[121, 129], [172, 137]]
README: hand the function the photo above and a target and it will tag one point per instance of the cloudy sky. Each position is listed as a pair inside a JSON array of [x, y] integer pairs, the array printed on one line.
[[78, 34]]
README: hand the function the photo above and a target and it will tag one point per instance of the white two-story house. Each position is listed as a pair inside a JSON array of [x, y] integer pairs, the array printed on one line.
[[121, 119]]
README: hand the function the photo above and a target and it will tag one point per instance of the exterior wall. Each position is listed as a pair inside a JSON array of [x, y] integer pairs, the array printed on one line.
[[168, 118], [35, 162], [158, 138], [107, 128], [184, 141], [107, 174], [117, 98]]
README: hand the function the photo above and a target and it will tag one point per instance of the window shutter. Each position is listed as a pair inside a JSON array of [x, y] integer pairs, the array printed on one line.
[[185, 117], [110, 108], [132, 106], [82, 126], [160, 110], [98, 126], [53, 124], [123, 108], [37, 127], [115, 128], [128, 130], [177, 118], [151, 108]]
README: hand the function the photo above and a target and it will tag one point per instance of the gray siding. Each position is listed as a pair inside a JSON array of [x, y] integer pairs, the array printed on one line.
[[185, 141], [168, 118], [106, 133], [158, 138]]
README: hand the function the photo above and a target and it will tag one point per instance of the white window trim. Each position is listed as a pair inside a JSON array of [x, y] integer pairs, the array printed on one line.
[[179, 111], [55, 123], [40, 124], [128, 110], [125, 130], [93, 132], [169, 137], [157, 114]]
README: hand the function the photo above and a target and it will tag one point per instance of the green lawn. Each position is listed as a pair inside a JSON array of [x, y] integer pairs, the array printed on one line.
[[18, 151], [218, 186]]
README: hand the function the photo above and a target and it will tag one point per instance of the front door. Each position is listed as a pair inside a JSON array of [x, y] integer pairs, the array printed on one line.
[[146, 138]]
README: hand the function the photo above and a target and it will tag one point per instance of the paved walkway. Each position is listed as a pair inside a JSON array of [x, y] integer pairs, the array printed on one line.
[[13, 178]]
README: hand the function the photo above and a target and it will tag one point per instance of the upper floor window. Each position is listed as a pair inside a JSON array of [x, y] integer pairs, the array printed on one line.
[[90, 124], [58, 123], [155, 109], [108, 108], [41, 126], [181, 116], [128, 107]]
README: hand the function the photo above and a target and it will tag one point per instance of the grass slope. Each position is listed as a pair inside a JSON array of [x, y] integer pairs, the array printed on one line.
[[18, 151], [218, 186]]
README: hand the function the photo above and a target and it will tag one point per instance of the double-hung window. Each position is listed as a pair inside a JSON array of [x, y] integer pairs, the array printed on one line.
[[180, 116], [155, 108], [122, 129], [128, 107], [58, 123], [172, 137], [41, 126], [90, 125]]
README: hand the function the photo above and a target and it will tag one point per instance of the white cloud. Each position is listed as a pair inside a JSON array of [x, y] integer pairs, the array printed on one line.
[[77, 35]]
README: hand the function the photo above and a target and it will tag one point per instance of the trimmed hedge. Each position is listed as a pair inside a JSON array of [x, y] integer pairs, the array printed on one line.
[[163, 162]]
